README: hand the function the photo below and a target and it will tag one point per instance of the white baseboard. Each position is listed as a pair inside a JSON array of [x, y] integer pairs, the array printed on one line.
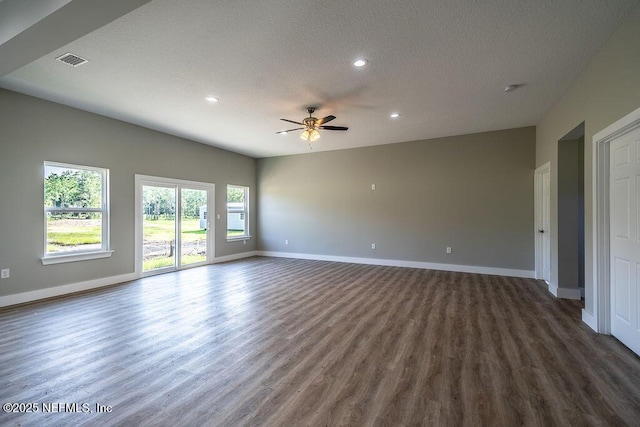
[[566, 293], [25, 297], [234, 257], [590, 320], [56, 291], [400, 263]]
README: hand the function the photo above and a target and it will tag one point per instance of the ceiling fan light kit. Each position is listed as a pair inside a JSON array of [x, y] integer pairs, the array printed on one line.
[[310, 136], [311, 125]]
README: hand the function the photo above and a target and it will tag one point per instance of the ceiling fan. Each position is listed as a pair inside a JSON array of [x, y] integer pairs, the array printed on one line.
[[311, 125]]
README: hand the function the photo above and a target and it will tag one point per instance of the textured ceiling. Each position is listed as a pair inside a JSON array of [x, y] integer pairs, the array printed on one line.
[[442, 64]]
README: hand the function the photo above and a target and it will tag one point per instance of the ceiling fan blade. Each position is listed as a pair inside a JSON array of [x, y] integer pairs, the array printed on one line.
[[334, 127], [288, 130], [291, 121], [325, 120]]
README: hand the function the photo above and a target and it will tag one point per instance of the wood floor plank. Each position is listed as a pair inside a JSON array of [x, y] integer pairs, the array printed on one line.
[[282, 342]]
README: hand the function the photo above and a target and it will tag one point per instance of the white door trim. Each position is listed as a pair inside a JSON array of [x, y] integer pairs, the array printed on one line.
[[537, 184], [141, 180], [601, 144]]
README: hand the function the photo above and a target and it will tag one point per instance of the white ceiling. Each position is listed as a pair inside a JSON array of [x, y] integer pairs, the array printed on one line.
[[442, 64]]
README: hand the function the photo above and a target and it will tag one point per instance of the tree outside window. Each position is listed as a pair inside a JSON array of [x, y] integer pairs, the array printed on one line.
[[75, 205]]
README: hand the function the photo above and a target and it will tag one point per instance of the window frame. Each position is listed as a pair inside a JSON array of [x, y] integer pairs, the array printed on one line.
[[245, 211], [79, 255]]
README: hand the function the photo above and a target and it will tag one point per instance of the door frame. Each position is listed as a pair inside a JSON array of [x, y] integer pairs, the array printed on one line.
[[600, 319], [538, 215], [140, 181]]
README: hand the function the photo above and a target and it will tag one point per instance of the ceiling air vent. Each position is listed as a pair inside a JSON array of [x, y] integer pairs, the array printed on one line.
[[71, 59]]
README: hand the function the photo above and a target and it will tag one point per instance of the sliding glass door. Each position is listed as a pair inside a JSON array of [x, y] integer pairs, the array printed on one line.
[[173, 224]]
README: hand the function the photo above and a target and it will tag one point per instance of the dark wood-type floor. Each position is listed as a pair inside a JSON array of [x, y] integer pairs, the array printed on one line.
[[281, 342]]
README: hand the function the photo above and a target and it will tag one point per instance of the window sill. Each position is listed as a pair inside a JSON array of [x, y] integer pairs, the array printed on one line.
[[239, 238], [84, 256]]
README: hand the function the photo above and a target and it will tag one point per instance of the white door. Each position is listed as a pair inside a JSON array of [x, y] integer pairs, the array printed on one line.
[[625, 239], [543, 219]]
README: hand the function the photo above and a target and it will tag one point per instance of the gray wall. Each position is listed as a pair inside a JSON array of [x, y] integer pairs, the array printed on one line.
[[473, 193], [606, 90], [571, 213], [33, 130]]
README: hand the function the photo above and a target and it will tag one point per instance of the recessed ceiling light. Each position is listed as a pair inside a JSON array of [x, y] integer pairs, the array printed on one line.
[[360, 62], [282, 132], [212, 99], [394, 115]]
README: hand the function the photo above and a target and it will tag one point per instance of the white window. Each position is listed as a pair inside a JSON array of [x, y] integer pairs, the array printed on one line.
[[237, 212], [76, 213]]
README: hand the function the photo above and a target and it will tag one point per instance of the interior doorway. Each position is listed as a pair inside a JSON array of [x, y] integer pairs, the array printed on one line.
[[571, 239]]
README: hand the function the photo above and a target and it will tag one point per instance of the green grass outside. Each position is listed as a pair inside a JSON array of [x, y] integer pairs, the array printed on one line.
[[155, 263], [86, 236], [79, 232], [72, 234], [163, 229]]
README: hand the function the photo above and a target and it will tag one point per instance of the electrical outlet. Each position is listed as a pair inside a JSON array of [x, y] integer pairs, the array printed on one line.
[[373, 246], [286, 242], [448, 249], [373, 186], [218, 216], [4, 273]]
